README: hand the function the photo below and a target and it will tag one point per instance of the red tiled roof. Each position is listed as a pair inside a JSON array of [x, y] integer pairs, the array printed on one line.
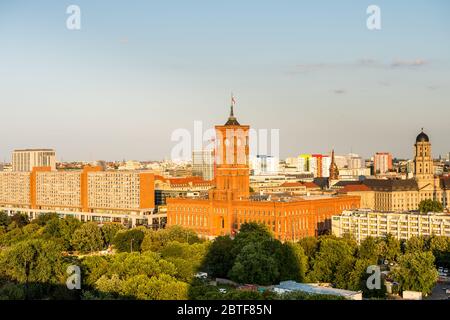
[[354, 187], [160, 178], [291, 184], [310, 185]]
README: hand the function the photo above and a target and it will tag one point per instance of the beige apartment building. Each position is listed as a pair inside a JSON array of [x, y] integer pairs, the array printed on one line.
[[111, 190], [15, 189], [361, 224], [88, 194]]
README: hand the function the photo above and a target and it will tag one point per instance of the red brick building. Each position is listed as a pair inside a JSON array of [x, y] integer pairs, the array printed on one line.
[[229, 204]]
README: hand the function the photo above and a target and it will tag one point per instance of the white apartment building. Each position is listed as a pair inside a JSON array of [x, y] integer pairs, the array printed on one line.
[[354, 161], [361, 224], [262, 164], [25, 160]]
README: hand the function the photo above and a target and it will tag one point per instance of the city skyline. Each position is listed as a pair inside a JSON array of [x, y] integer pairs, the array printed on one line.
[[60, 159], [118, 88]]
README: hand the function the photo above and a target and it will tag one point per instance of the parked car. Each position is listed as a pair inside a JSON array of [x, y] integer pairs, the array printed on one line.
[[201, 275]]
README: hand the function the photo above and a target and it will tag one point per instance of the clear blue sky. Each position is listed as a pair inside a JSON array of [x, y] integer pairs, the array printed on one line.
[[137, 70]]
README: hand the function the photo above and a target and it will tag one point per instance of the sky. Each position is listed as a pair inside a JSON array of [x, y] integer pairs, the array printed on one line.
[[137, 71]]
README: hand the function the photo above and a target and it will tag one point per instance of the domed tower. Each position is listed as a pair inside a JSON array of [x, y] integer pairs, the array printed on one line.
[[423, 160]]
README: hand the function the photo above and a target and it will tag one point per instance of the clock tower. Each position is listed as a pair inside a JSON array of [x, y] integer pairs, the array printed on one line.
[[232, 160]]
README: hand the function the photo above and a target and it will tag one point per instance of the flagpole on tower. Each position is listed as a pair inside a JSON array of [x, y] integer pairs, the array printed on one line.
[[233, 102]]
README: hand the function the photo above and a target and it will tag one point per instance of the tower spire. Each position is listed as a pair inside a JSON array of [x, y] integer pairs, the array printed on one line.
[[232, 121], [334, 171]]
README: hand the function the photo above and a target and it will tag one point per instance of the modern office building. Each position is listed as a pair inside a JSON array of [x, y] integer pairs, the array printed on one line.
[[203, 164], [361, 224], [24, 160]]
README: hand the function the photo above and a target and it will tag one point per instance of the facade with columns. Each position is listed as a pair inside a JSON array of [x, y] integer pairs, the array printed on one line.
[[229, 204]]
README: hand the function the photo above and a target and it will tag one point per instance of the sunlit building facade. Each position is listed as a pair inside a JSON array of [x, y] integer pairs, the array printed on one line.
[[229, 205]]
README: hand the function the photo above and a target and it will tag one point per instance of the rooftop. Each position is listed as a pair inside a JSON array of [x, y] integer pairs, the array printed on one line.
[[24, 150], [391, 184], [313, 288], [365, 212]]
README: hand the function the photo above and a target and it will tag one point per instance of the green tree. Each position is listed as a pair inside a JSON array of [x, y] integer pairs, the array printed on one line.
[[416, 244], [290, 258], [61, 230], [34, 261], [370, 249], [440, 247], [357, 279], [333, 262], [186, 258], [12, 291], [310, 246], [109, 231], [390, 248], [20, 219], [416, 272], [430, 205], [219, 259], [5, 220], [87, 238], [43, 218], [93, 268], [250, 233], [128, 240], [109, 287], [161, 287], [254, 265], [126, 265]]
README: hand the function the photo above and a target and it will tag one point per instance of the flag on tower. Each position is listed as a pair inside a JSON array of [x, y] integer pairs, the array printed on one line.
[[233, 100]]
